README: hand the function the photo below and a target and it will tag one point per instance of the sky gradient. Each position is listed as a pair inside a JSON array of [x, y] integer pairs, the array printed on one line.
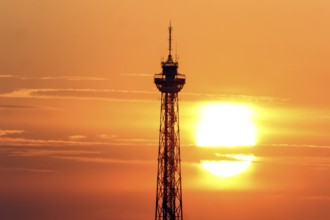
[[79, 113]]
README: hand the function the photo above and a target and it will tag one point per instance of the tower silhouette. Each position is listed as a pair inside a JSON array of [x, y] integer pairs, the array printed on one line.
[[169, 189]]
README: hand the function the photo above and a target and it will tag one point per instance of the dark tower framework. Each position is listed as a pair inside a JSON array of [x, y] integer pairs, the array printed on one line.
[[169, 188]]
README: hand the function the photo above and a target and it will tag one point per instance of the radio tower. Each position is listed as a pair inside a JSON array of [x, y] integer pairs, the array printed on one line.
[[169, 190]]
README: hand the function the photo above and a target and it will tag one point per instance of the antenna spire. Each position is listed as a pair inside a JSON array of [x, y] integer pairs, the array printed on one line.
[[170, 40]]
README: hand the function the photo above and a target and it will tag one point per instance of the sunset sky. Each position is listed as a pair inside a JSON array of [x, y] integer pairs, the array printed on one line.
[[79, 112]]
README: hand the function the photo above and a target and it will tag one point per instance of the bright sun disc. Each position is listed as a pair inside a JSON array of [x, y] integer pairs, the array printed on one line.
[[227, 168], [226, 125]]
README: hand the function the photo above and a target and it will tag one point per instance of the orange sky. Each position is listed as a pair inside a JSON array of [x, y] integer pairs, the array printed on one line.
[[79, 113]]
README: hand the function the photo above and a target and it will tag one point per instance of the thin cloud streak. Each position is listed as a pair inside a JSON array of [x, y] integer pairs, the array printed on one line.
[[28, 142], [74, 78], [42, 152], [21, 93], [6, 76], [20, 169], [310, 162], [110, 160], [298, 145], [103, 160], [316, 197], [108, 95], [66, 78], [6, 141], [9, 132], [136, 74], [77, 94], [77, 137], [19, 107], [106, 136], [267, 99]]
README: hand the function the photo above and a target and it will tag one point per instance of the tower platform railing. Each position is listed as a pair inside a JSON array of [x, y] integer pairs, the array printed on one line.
[[169, 83]]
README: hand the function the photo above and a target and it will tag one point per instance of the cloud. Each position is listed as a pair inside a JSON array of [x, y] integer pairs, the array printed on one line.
[[238, 97], [19, 169], [101, 160], [312, 156], [6, 76], [77, 140], [68, 78], [22, 93], [136, 74], [9, 132], [74, 78], [80, 94], [234, 157], [298, 145], [136, 141], [6, 141], [43, 152], [106, 136], [77, 137], [20, 107], [130, 95], [316, 197], [325, 116], [27, 107]]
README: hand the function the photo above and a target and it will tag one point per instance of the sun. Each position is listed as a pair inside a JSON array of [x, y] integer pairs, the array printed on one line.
[[226, 125], [235, 165]]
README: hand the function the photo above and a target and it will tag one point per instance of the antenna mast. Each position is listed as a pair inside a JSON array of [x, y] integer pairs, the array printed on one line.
[[170, 40]]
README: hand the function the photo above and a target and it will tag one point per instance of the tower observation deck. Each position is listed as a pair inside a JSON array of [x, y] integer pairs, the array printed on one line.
[[169, 188]]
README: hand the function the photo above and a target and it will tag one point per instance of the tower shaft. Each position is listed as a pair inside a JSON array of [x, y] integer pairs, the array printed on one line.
[[169, 191]]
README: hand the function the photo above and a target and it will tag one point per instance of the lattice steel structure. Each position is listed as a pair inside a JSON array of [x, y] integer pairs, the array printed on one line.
[[169, 189]]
